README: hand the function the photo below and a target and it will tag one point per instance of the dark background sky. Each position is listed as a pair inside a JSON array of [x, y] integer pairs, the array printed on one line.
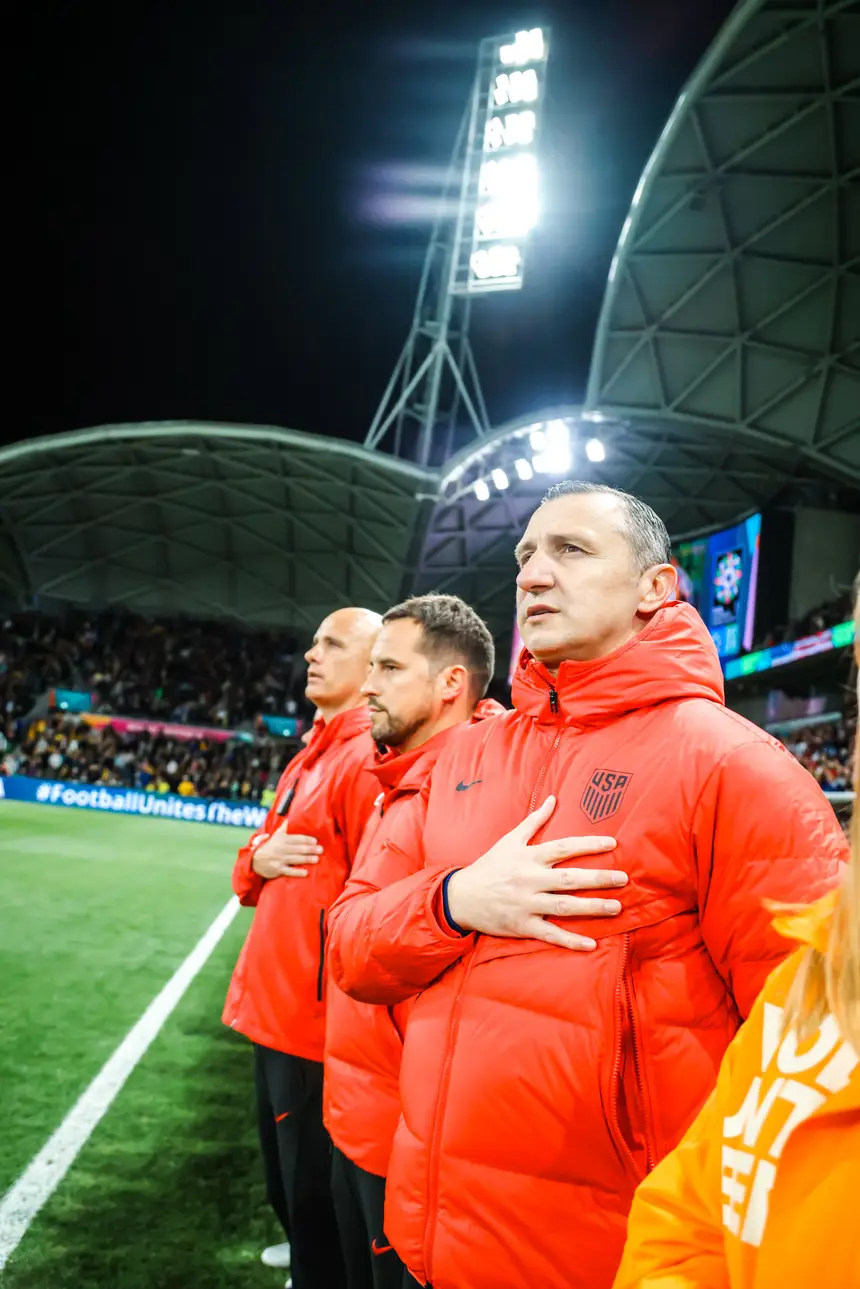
[[207, 192]]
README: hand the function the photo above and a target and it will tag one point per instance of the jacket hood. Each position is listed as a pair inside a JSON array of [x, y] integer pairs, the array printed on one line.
[[673, 657], [396, 770], [339, 729]]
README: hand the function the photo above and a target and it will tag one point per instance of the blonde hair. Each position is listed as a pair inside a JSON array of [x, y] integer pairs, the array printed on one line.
[[830, 982]]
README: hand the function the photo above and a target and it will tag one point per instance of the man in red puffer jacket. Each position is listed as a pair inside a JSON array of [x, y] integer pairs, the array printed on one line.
[[291, 871], [570, 1018], [430, 668]]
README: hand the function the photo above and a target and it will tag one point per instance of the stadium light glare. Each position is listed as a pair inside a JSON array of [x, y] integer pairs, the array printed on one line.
[[556, 457], [512, 185], [527, 47], [595, 451], [514, 130], [518, 87], [537, 439], [524, 470], [504, 202], [500, 479], [510, 218], [496, 262], [507, 176], [482, 491]]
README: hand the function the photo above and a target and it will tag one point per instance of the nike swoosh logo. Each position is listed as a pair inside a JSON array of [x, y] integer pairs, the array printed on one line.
[[464, 787], [386, 1248]]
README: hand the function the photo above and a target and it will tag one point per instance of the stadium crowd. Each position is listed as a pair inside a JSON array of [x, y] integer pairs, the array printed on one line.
[[208, 673], [64, 748], [190, 672], [829, 613], [827, 752]]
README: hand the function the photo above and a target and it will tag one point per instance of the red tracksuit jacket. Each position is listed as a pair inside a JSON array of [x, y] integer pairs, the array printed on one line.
[[364, 1043], [277, 994], [539, 1085]]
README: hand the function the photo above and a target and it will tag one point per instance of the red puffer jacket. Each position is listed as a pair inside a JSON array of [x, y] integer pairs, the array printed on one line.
[[277, 995], [364, 1043], [538, 1084]]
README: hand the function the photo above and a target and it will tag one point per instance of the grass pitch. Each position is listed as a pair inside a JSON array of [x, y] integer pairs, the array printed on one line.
[[96, 913]]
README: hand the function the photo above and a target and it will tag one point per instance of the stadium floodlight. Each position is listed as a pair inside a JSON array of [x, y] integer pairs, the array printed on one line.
[[526, 47], [511, 184], [505, 177], [556, 457], [497, 263], [482, 490], [507, 218], [500, 479], [513, 130], [595, 451], [486, 215], [537, 439], [501, 176], [518, 87], [524, 469]]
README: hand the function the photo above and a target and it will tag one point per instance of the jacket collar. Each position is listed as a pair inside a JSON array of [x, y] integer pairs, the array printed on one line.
[[339, 729], [408, 771], [673, 657]]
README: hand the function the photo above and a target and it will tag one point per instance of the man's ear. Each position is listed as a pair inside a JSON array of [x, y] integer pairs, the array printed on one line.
[[455, 682], [659, 585]]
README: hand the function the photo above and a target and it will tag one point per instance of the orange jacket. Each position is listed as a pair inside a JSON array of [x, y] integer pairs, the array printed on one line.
[[760, 1192], [364, 1043], [277, 994], [539, 1085]]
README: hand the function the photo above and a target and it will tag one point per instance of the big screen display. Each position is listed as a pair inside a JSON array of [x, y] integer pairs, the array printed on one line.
[[719, 576]]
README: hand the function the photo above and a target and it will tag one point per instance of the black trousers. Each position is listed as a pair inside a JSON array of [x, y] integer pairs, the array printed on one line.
[[297, 1160], [359, 1201]]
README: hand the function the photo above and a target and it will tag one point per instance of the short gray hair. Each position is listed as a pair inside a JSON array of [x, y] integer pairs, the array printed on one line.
[[643, 529]]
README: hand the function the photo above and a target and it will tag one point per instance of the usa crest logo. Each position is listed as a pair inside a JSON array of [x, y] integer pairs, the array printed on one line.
[[604, 794]]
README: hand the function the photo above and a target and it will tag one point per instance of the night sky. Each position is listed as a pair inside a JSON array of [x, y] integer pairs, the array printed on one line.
[[214, 206]]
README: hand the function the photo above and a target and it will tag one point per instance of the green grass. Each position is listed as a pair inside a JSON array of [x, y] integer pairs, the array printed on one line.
[[98, 911]]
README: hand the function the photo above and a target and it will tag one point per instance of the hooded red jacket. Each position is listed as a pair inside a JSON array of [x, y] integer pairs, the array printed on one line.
[[361, 1104], [277, 994], [539, 1084]]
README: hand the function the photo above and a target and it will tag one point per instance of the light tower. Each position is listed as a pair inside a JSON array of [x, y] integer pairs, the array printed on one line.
[[492, 189]]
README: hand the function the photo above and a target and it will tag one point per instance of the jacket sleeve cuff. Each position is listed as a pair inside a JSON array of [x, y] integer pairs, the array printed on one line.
[[446, 921]]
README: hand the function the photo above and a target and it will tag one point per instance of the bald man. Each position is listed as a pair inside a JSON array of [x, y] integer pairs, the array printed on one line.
[[291, 872]]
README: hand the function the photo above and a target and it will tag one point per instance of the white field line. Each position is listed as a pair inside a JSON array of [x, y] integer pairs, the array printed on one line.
[[44, 1173]]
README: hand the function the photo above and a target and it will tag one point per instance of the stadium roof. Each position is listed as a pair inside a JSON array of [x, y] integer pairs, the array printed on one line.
[[732, 311], [268, 525]]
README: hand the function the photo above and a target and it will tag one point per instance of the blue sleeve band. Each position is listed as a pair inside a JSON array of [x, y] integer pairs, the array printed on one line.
[[458, 930]]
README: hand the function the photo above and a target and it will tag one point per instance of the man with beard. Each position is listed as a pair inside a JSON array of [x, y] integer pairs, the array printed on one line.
[[430, 668]]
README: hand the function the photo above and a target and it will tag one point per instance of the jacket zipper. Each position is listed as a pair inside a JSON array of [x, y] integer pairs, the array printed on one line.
[[438, 1121], [553, 707], [637, 1069], [624, 1009], [542, 773], [438, 1114], [322, 957]]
